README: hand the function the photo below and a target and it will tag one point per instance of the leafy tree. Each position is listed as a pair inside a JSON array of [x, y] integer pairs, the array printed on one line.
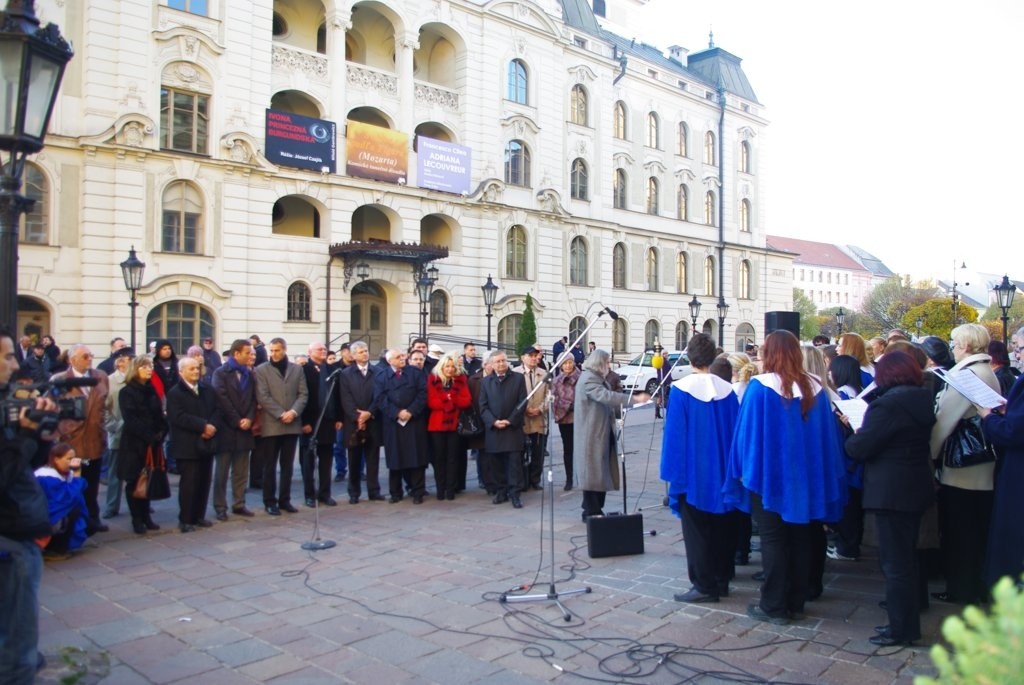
[[937, 317], [887, 304], [809, 326], [528, 328]]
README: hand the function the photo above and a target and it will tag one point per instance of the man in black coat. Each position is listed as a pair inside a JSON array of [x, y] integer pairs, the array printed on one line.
[[361, 429], [316, 451], [401, 398], [500, 394], [235, 390], [191, 407]]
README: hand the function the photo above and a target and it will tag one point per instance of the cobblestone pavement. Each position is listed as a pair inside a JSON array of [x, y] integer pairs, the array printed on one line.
[[411, 594]]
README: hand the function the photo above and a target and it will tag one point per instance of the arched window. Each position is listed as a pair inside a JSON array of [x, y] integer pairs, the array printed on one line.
[[653, 131], [709, 208], [619, 189], [619, 266], [744, 336], [651, 270], [35, 224], [745, 292], [184, 121], [578, 261], [709, 149], [518, 80], [681, 273], [709, 276], [517, 163], [578, 105], [682, 139], [652, 330], [576, 328], [619, 124], [652, 195], [682, 200], [300, 302], [620, 337], [182, 222], [439, 308], [184, 324], [515, 253], [682, 335], [508, 331], [745, 216], [745, 157], [578, 180]]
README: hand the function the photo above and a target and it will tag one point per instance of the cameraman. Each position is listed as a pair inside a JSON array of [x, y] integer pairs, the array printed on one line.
[[24, 518]]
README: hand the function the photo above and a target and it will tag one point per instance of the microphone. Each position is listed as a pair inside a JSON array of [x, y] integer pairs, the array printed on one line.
[[335, 373], [74, 382], [610, 312]]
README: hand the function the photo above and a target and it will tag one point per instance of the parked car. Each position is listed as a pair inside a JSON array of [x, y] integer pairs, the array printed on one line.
[[638, 375]]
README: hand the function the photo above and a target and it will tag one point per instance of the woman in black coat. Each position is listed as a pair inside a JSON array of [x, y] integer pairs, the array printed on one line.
[[144, 428], [898, 484]]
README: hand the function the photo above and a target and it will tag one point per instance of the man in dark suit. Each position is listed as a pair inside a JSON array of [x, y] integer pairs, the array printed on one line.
[[191, 407], [500, 394], [235, 390], [315, 450], [402, 402], [361, 429]]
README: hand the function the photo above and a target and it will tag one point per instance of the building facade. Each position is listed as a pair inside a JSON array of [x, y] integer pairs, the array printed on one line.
[[595, 169]]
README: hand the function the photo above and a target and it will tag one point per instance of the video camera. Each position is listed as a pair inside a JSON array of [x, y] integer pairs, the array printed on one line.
[[17, 396]]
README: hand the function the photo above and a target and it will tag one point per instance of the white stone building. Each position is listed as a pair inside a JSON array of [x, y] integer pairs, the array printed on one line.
[[602, 172]]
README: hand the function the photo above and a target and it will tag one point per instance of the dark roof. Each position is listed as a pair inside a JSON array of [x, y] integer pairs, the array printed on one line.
[[869, 261], [579, 15], [722, 69], [814, 253]]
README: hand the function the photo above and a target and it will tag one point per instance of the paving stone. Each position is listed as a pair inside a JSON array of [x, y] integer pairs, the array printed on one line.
[[243, 652]]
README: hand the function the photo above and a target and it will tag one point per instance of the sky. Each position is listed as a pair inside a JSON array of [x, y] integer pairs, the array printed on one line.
[[896, 126]]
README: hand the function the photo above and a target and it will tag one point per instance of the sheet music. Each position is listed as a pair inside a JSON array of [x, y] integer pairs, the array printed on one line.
[[853, 410], [972, 387]]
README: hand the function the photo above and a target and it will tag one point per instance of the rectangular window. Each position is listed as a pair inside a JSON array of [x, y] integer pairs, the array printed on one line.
[[193, 6], [180, 232], [184, 121], [580, 42]]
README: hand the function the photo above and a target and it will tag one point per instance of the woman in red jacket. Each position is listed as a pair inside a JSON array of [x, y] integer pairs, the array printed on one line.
[[447, 395]]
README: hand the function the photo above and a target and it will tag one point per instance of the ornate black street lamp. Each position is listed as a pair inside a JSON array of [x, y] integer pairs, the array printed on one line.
[[425, 288], [694, 313], [840, 319], [490, 291], [723, 311], [132, 270], [32, 61], [1005, 292], [919, 322]]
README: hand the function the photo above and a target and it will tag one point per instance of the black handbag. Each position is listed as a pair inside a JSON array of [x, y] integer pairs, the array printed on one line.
[[967, 446], [469, 423], [152, 483]]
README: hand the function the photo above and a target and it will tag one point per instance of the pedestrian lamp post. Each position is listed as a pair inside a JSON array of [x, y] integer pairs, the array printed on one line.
[[723, 311], [490, 291], [32, 61], [840, 319], [919, 322], [955, 296], [694, 313], [425, 288], [1005, 292], [132, 270]]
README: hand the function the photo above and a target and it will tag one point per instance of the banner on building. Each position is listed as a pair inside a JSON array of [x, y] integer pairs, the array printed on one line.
[[376, 152], [304, 142], [442, 165]]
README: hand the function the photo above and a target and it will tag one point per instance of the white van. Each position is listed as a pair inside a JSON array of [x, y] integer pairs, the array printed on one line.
[[638, 375]]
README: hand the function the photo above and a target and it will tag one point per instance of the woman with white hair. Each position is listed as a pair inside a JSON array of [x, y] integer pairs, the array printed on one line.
[[594, 412], [965, 494]]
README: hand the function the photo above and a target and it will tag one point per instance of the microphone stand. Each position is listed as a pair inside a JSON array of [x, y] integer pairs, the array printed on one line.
[[553, 594], [315, 543]]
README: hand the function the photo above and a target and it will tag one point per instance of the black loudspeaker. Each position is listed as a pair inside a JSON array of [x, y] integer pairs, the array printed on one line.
[[615, 535], [782, 321]]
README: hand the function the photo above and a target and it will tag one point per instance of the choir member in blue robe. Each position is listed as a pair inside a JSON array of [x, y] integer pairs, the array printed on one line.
[[65, 498], [786, 468], [695, 445]]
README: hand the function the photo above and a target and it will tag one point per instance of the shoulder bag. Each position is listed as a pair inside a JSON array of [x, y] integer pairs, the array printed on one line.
[[967, 445]]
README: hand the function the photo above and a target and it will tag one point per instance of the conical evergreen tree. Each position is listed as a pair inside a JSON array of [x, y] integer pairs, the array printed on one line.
[[528, 328]]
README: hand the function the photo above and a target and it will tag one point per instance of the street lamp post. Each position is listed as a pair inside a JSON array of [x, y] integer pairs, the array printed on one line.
[[694, 313], [840, 319], [32, 61], [425, 288], [956, 297], [132, 270], [490, 291], [919, 322], [1005, 292], [723, 311]]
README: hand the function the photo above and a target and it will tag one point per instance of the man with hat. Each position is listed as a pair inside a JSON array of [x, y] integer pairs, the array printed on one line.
[[535, 425], [113, 424], [211, 359], [434, 354]]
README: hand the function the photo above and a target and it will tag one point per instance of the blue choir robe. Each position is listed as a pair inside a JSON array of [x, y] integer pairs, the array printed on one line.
[[698, 433], [64, 495], [794, 463]]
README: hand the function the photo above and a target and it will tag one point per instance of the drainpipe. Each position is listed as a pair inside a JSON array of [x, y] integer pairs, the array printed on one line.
[[622, 69], [721, 204]]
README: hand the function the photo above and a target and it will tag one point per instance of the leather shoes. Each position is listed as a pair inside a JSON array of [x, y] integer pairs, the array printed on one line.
[[695, 596], [755, 611], [500, 498], [186, 527], [394, 499], [329, 501], [289, 508], [759, 576], [101, 528], [887, 640], [138, 526], [273, 511], [222, 516], [883, 630], [568, 487], [310, 502], [353, 500], [516, 502], [417, 499], [242, 511], [204, 523], [377, 498], [150, 524]]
